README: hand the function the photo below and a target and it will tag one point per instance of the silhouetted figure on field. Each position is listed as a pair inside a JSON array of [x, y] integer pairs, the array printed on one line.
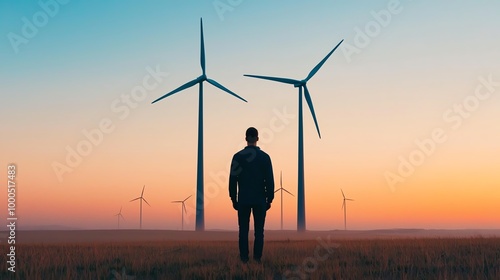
[[251, 188]]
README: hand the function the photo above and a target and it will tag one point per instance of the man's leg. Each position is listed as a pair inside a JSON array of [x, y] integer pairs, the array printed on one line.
[[259, 218], [243, 222]]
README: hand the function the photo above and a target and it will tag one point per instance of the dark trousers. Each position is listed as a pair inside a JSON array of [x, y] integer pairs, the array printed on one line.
[[259, 218]]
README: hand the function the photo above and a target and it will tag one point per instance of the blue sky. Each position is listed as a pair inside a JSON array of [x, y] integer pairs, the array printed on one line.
[[88, 40]]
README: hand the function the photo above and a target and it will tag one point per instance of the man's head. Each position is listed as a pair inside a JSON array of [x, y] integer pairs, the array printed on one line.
[[252, 135]]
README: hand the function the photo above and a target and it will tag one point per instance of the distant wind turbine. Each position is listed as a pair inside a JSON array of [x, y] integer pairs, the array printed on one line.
[[344, 205], [200, 211], [119, 215], [183, 209], [141, 198], [301, 84], [282, 189]]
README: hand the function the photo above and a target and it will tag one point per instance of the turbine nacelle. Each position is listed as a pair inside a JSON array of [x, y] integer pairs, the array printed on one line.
[[301, 83]]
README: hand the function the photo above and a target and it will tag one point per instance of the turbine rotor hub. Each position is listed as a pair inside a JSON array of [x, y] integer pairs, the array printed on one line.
[[300, 84]]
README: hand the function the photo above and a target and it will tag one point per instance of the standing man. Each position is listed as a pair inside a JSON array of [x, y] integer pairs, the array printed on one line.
[[251, 188]]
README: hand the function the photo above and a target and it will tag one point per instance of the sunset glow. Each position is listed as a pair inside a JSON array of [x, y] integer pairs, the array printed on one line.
[[407, 107]]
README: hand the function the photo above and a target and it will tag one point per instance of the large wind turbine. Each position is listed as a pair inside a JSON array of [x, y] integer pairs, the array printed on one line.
[[301, 84], [183, 208], [200, 211], [344, 205], [282, 189], [141, 198], [119, 215]]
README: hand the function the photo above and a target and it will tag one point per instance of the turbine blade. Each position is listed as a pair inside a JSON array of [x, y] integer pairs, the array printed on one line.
[[277, 190], [216, 84], [288, 192], [315, 69], [184, 208], [311, 108], [143, 190], [202, 48], [187, 198], [177, 201], [342, 193], [349, 199], [276, 79], [145, 201], [183, 87], [135, 199], [281, 179], [343, 204]]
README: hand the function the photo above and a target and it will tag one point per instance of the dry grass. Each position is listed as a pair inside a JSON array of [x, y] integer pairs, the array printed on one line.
[[466, 258]]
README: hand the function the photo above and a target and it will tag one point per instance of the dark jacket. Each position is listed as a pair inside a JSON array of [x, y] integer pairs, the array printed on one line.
[[251, 177]]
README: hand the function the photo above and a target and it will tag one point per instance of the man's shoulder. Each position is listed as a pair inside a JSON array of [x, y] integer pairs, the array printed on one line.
[[248, 150], [263, 153], [241, 153]]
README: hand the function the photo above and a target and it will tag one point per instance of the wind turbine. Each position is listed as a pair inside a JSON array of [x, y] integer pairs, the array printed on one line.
[[282, 189], [301, 84], [183, 208], [344, 205], [119, 215], [141, 198], [200, 211]]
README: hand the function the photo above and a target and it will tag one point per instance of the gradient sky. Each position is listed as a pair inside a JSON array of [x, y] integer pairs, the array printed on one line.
[[394, 82]]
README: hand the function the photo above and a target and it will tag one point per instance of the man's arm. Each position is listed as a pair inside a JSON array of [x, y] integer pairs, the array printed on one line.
[[269, 177], [233, 178]]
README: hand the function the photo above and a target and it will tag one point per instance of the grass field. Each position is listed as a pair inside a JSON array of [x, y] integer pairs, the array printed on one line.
[[323, 258]]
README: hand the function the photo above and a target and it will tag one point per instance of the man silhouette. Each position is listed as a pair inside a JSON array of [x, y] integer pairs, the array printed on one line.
[[251, 188]]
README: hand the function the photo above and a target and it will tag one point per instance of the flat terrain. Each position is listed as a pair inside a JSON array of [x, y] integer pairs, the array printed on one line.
[[48, 236], [133, 254]]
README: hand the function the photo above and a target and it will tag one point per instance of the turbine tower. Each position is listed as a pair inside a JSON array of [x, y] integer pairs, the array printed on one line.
[[282, 189], [141, 198], [119, 215], [183, 208], [344, 206], [200, 211], [302, 85]]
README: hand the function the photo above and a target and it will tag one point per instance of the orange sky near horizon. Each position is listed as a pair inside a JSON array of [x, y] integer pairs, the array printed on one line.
[[442, 193]]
